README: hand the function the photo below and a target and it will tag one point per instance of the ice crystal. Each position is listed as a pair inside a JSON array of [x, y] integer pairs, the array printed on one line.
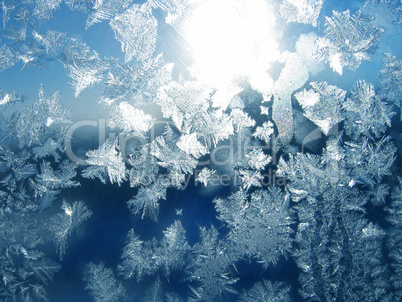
[[7, 99], [266, 291], [183, 103], [31, 54], [366, 113], [264, 132], [259, 224], [25, 281], [322, 104], [174, 248], [187, 104], [64, 224], [370, 162], [391, 84], [348, 40], [102, 284], [83, 65], [52, 42], [44, 9], [205, 176], [320, 255], [190, 145], [49, 148], [136, 30], [80, 5], [106, 10], [301, 11], [210, 267], [174, 9], [241, 119], [300, 168], [46, 118], [136, 82], [130, 120], [171, 157], [7, 58], [50, 179], [147, 200], [144, 170], [24, 269], [250, 178], [135, 264], [105, 162], [257, 160], [145, 258], [395, 239]]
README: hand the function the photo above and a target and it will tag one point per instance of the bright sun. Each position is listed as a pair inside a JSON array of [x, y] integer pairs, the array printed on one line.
[[231, 39]]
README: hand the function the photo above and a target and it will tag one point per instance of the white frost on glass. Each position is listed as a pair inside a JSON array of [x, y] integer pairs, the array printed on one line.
[[189, 144], [106, 162], [136, 29], [257, 160], [205, 175], [322, 104], [301, 11], [264, 132], [293, 76], [241, 119], [348, 40], [130, 120], [306, 48], [106, 10]]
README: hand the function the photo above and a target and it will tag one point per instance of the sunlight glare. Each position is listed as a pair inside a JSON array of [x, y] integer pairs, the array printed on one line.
[[231, 39]]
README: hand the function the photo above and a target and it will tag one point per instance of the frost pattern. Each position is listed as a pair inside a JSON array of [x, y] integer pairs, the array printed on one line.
[[83, 65], [391, 83], [174, 8], [301, 11], [64, 224], [190, 145], [130, 120], [7, 99], [106, 10], [136, 30], [367, 113], [24, 269], [7, 58], [136, 82], [141, 258], [171, 157], [259, 226], [257, 160], [333, 192], [348, 40], [102, 284], [322, 105], [205, 176], [394, 239], [147, 200], [46, 118], [183, 103], [105, 162], [241, 119], [264, 132], [211, 267], [266, 291], [395, 6]]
